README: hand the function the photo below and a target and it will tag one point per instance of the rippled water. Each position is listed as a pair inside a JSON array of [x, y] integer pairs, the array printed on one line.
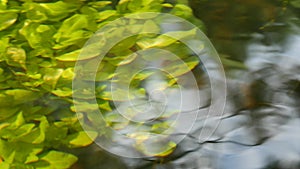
[[260, 128]]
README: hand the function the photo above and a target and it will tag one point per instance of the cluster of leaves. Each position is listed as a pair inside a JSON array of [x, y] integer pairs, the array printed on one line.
[[122, 69], [39, 44]]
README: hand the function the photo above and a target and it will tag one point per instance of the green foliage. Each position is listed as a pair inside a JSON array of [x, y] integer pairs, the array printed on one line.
[[295, 3], [39, 45]]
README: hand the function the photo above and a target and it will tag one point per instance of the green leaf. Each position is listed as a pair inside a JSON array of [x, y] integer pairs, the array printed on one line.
[[51, 76], [4, 165], [31, 158], [121, 60], [38, 35], [37, 135], [74, 30], [59, 10], [104, 105], [155, 55], [165, 39], [3, 4], [21, 95], [4, 44], [33, 155], [91, 12], [63, 92], [157, 149], [105, 15], [75, 38], [151, 26], [130, 6], [104, 72], [161, 127], [17, 96], [143, 75], [18, 152], [119, 94], [68, 74], [92, 50], [39, 12], [55, 133], [167, 5], [7, 19], [71, 56], [181, 67], [116, 120], [160, 41], [57, 160], [180, 50], [99, 4], [182, 10], [35, 12], [122, 47], [6, 112], [19, 120], [82, 138], [85, 107], [16, 57], [7, 154], [13, 134]]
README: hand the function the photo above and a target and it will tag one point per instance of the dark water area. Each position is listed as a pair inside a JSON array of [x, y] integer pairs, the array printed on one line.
[[260, 128]]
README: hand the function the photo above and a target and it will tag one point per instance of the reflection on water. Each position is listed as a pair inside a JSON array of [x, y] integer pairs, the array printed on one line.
[[260, 127]]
